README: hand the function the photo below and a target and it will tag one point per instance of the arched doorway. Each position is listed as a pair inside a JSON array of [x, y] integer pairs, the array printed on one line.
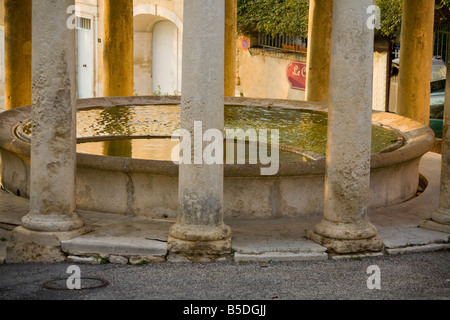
[[165, 65], [157, 29]]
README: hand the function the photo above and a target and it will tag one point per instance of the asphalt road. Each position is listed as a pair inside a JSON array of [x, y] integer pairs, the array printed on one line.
[[424, 276]]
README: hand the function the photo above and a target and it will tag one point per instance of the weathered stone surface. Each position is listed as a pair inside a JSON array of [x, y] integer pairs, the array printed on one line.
[[50, 239], [280, 256], [319, 50], [200, 232], [245, 193], [17, 53], [230, 47], [19, 252], [83, 260], [118, 63], [118, 260], [53, 146], [119, 245], [32, 246], [416, 60], [433, 225], [356, 255], [199, 251], [374, 244], [146, 260], [425, 248], [346, 227], [440, 218]]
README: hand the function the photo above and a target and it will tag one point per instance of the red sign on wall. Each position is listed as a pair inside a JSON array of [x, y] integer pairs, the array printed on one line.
[[296, 75]]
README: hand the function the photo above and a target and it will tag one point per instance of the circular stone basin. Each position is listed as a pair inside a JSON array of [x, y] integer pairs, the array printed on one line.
[[125, 166]]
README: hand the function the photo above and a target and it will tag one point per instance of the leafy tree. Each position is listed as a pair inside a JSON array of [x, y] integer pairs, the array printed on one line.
[[286, 17], [290, 17], [442, 17], [391, 17]]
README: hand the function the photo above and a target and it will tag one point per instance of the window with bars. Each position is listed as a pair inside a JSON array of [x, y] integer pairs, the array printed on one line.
[[83, 23]]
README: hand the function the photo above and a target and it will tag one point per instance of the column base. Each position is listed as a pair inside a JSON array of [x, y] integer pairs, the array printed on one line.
[[199, 243], [53, 222], [342, 246], [440, 220], [26, 246]]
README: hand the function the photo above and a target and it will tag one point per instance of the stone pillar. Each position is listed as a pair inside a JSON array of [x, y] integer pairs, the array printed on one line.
[[319, 50], [440, 218], [200, 233], [118, 60], [17, 53], [345, 227], [230, 47], [416, 59], [52, 216]]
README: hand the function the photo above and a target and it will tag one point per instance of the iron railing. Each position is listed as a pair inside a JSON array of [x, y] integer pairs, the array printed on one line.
[[441, 40], [282, 42]]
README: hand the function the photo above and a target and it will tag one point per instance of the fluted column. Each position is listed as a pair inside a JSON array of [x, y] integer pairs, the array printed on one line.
[[17, 53], [345, 227], [118, 57], [200, 232], [416, 60], [319, 50]]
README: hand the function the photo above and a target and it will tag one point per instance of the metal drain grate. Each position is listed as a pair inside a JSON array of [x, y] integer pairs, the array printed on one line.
[[86, 284]]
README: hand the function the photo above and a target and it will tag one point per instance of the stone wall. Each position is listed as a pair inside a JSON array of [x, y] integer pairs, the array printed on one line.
[[262, 73]]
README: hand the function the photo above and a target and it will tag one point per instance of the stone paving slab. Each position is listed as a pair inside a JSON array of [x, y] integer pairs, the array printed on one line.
[[262, 246], [123, 246], [408, 236], [12, 208], [416, 249], [120, 235]]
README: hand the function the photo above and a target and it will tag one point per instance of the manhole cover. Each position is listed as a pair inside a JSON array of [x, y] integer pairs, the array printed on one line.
[[86, 284]]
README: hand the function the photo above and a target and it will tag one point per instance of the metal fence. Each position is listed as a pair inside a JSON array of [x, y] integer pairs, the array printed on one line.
[[282, 42], [299, 44], [441, 40]]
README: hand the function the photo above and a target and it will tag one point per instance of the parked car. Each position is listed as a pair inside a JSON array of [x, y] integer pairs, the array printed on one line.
[[437, 99]]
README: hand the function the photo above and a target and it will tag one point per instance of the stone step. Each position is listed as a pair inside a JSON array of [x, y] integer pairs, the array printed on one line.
[[118, 246]]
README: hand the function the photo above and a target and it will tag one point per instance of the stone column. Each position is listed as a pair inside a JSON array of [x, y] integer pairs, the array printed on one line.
[[230, 47], [17, 53], [200, 232], [415, 60], [52, 216], [345, 227], [440, 218], [319, 50], [118, 60]]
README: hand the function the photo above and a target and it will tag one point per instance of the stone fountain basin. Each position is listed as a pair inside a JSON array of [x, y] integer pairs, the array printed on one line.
[[149, 188]]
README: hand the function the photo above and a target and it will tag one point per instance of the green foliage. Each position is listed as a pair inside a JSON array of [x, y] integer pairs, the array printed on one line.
[[290, 17], [391, 17], [286, 17], [442, 17]]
